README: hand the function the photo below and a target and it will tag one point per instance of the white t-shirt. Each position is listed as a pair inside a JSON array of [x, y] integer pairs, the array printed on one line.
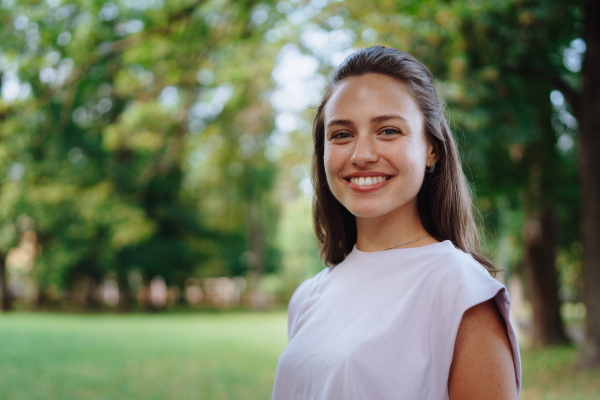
[[382, 325]]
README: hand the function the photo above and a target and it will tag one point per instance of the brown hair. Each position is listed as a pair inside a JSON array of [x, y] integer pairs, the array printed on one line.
[[444, 200]]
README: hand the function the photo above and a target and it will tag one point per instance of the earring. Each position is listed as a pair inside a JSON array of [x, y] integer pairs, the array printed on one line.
[[432, 168]]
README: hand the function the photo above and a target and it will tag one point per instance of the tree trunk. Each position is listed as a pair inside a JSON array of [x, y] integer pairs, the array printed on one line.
[[540, 255], [4, 295], [589, 158], [123, 305], [256, 243], [540, 230]]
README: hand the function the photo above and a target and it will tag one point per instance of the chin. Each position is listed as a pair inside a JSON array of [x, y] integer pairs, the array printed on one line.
[[378, 209], [366, 211]]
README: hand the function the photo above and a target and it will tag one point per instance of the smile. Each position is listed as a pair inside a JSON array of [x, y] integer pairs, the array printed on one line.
[[368, 181], [367, 184]]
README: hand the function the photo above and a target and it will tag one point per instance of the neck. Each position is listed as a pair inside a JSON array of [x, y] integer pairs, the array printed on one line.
[[400, 226]]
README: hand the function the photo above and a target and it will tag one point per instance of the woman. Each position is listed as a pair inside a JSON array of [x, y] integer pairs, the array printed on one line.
[[407, 308]]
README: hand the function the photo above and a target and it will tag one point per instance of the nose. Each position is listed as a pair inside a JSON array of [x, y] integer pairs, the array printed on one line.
[[365, 151]]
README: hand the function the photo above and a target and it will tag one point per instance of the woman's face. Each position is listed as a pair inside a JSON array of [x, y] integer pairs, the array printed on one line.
[[375, 146]]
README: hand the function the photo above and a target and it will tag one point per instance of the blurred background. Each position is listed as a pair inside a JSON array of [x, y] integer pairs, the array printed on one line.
[[155, 195]]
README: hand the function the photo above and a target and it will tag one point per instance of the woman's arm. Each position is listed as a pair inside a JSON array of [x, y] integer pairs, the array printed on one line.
[[482, 365]]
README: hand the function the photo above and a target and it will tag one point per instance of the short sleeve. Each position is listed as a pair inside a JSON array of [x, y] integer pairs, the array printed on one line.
[[471, 284], [503, 303]]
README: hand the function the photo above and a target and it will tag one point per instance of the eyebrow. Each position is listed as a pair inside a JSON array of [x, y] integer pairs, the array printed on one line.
[[343, 122], [374, 120], [383, 118]]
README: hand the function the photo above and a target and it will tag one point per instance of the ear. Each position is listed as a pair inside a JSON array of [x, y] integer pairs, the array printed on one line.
[[433, 151]]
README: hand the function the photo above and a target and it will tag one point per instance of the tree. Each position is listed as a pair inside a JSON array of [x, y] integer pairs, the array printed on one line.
[[513, 30], [586, 105], [121, 99], [551, 27]]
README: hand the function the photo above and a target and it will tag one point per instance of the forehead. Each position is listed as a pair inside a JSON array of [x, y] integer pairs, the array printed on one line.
[[370, 95]]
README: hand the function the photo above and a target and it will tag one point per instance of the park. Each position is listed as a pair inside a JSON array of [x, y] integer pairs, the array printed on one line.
[[157, 192]]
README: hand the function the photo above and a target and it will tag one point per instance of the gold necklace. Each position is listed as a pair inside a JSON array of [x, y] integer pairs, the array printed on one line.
[[402, 244]]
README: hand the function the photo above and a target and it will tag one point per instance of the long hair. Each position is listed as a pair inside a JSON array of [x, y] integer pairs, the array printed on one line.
[[444, 200]]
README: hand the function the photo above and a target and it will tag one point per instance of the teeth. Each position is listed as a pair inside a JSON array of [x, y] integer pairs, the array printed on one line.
[[368, 181]]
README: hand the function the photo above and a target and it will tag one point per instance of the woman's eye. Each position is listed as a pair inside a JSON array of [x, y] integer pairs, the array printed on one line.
[[340, 135], [391, 132]]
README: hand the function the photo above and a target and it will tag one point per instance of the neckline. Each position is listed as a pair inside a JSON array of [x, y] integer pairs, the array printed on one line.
[[369, 257]]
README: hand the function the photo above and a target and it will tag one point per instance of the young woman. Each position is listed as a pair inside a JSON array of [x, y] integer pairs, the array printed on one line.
[[407, 308]]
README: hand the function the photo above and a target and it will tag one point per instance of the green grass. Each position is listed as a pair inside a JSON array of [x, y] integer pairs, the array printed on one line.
[[169, 356], [549, 375], [191, 356]]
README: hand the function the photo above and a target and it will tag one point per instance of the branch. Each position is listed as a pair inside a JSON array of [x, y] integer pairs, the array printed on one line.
[[572, 96], [123, 44]]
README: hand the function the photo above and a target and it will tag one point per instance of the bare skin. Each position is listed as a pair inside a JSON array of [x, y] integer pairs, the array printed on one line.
[[482, 365]]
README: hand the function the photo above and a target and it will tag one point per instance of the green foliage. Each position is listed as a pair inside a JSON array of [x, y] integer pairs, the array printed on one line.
[[106, 153]]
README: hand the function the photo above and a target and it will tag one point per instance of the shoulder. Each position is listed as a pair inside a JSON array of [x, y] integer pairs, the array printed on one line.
[[301, 299], [482, 363], [465, 279], [307, 287], [478, 309], [457, 262], [449, 261], [462, 283]]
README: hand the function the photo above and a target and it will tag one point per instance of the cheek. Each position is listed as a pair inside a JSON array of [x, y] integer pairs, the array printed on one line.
[[417, 167], [334, 164], [329, 160], [409, 163]]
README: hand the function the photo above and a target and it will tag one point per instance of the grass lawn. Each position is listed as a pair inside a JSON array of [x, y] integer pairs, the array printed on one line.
[[191, 356], [164, 356], [549, 375]]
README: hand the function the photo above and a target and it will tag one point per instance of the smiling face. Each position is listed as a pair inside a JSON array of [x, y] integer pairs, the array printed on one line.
[[375, 147]]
